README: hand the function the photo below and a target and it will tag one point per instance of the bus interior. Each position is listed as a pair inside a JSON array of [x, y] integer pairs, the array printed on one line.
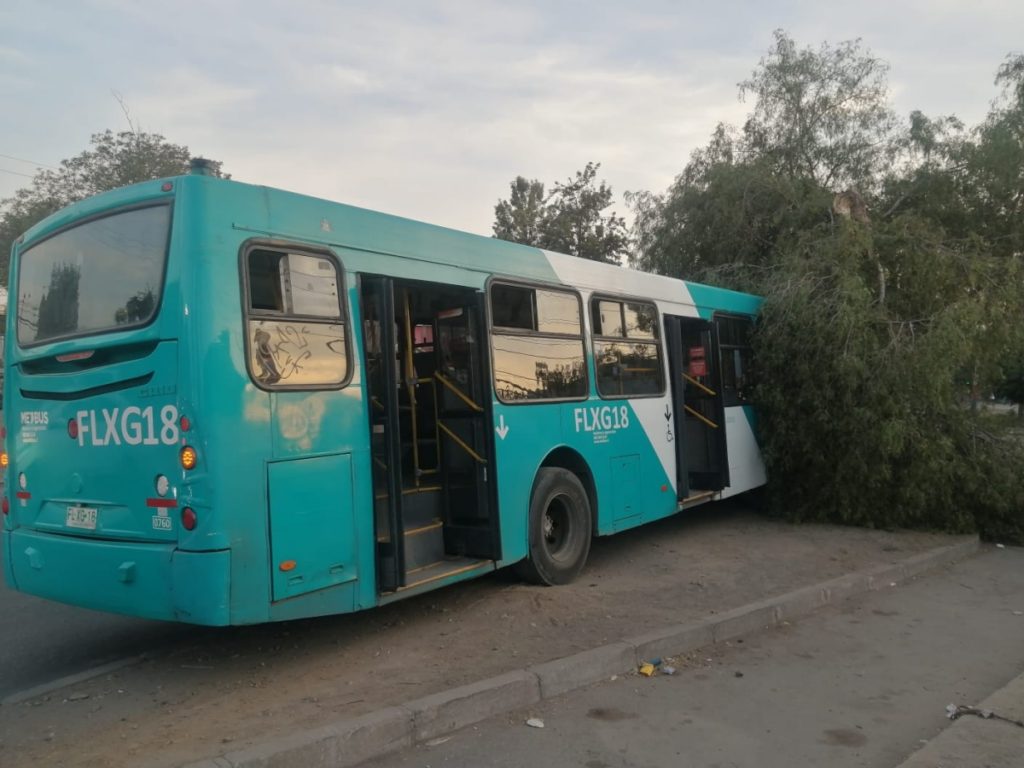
[[426, 364]]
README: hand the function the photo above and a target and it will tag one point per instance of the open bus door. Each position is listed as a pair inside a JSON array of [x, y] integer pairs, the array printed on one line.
[[379, 343], [465, 422], [430, 421], [702, 459]]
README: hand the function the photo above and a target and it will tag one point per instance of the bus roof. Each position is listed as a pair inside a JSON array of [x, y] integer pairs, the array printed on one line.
[[316, 220]]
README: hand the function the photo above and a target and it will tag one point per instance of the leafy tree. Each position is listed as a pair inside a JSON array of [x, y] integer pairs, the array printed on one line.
[[569, 220], [890, 258], [519, 218], [113, 160], [994, 166], [727, 215], [574, 221], [820, 124], [820, 115], [1011, 386]]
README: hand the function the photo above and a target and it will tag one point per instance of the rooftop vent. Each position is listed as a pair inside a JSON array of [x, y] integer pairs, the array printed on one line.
[[200, 166]]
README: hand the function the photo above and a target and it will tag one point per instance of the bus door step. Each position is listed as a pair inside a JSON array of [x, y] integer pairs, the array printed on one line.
[[696, 497], [450, 566], [424, 545]]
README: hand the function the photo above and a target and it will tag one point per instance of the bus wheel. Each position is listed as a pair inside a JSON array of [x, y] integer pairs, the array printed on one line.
[[560, 528]]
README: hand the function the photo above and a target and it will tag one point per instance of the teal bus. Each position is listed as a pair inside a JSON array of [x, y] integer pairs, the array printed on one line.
[[230, 404]]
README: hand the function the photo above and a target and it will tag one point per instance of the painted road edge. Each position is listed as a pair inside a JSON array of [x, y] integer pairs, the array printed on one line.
[[69, 680], [352, 741]]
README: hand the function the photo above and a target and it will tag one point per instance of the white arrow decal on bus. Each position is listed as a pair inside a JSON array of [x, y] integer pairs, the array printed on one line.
[[501, 429]]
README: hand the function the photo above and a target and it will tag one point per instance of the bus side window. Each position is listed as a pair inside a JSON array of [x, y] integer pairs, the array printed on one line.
[[296, 333], [536, 344], [737, 356], [265, 281], [627, 351]]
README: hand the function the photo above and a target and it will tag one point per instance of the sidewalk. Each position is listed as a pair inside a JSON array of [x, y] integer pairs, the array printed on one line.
[[978, 742], [863, 683]]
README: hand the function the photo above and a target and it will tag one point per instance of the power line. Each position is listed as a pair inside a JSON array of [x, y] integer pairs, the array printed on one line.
[[16, 173], [30, 162]]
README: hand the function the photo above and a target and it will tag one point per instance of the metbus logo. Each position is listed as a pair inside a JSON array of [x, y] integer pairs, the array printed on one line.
[[131, 426]]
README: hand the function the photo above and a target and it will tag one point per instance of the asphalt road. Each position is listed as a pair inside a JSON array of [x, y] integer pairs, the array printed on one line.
[[860, 684], [44, 641]]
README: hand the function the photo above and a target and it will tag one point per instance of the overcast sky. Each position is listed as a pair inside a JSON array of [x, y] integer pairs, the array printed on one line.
[[429, 109]]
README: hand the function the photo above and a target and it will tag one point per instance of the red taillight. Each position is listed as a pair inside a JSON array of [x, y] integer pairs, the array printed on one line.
[[189, 519], [6, 505], [73, 356], [72, 429], [186, 425]]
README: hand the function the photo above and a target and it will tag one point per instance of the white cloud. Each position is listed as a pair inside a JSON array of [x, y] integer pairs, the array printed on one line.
[[184, 94], [429, 109]]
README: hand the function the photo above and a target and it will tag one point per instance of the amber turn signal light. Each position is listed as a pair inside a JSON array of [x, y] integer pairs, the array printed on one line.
[[189, 457]]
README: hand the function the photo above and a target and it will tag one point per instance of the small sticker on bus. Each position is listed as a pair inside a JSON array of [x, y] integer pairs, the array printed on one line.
[[32, 423], [162, 523]]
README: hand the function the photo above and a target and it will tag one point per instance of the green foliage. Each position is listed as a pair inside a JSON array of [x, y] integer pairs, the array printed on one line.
[[890, 259], [821, 122], [861, 402], [1011, 383], [519, 219], [733, 213], [569, 220], [113, 160], [820, 115]]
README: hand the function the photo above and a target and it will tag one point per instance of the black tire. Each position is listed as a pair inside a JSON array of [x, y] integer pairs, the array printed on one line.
[[560, 528]]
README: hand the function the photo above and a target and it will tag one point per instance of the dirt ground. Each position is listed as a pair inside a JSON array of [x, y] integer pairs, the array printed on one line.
[[222, 689]]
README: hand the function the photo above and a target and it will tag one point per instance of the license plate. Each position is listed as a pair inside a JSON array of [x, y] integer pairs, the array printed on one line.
[[82, 517]]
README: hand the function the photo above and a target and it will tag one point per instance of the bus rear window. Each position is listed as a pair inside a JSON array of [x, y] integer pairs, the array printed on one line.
[[103, 275]]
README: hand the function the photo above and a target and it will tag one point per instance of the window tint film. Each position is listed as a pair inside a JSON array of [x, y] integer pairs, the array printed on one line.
[[512, 307], [641, 321], [607, 318], [558, 312], [293, 283], [105, 274], [313, 283]]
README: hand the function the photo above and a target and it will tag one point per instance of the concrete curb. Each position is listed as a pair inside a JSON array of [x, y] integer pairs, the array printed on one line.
[[352, 741], [972, 742]]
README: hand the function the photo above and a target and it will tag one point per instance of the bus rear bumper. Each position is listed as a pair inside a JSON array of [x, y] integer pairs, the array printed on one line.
[[153, 581]]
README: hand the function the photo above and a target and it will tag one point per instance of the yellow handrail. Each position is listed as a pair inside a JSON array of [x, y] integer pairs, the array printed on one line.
[[699, 385], [462, 444], [411, 386], [457, 392], [700, 416]]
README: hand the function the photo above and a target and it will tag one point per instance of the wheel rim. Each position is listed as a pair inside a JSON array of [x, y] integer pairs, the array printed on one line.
[[556, 527]]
